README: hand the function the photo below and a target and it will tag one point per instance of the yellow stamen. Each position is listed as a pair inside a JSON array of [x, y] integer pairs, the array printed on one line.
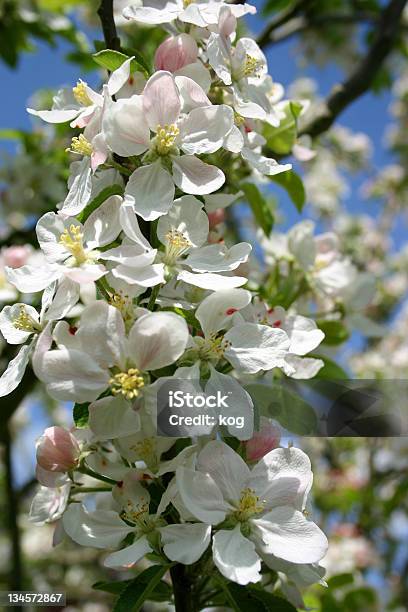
[[166, 137], [80, 145], [81, 94], [24, 322], [239, 120], [125, 306], [127, 383], [252, 66], [187, 3], [177, 244], [249, 505], [71, 239]]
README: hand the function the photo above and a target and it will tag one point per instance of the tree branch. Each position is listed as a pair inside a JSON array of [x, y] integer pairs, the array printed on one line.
[[105, 13], [266, 37], [342, 95]]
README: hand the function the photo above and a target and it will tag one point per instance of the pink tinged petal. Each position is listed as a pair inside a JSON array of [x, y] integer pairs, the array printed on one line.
[[130, 225], [161, 100], [129, 556], [282, 477], [30, 279], [235, 556], [213, 282], [263, 441], [49, 504], [55, 116], [100, 152], [256, 347], [119, 77], [289, 535], [102, 226], [125, 128], [43, 345], [50, 479], [85, 273], [151, 191], [57, 450], [194, 176], [204, 129], [84, 117], [192, 94], [185, 543], [215, 311], [157, 340], [227, 22], [201, 496], [228, 470], [112, 417], [100, 529], [12, 376], [175, 53]]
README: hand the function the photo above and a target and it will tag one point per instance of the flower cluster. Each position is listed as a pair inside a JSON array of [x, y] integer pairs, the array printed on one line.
[[139, 286]]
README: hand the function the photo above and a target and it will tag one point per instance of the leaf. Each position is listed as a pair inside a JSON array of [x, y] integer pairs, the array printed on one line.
[[363, 598], [139, 590], [292, 183], [282, 138], [111, 587], [339, 581], [335, 332], [112, 60], [81, 415], [259, 206], [331, 370], [98, 200], [285, 406], [10, 134], [251, 599]]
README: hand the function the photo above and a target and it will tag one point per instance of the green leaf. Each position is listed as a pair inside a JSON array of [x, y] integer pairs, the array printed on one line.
[[285, 406], [81, 415], [251, 599], [282, 138], [98, 200], [339, 581], [112, 60], [331, 370], [111, 587], [363, 598], [10, 134], [140, 589], [260, 207], [292, 183], [335, 332]]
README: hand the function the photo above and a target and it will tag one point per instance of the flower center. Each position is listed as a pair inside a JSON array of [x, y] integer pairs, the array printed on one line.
[[249, 504], [25, 322], [81, 94], [187, 3], [127, 383], [80, 145], [252, 66], [177, 244], [125, 306], [165, 138], [211, 348], [71, 239]]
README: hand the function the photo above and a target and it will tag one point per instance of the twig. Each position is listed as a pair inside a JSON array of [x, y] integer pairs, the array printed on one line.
[[266, 37], [105, 13], [362, 78]]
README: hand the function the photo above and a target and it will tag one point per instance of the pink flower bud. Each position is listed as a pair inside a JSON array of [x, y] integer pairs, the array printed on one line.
[[57, 450], [16, 256], [175, 53], [263, 441], [216, 217]]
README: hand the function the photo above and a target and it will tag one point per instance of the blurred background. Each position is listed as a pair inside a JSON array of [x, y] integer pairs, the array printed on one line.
[[355, 178]]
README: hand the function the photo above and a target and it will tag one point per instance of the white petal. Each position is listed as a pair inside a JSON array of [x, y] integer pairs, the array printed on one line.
[[201, 496], [157, 340], [130, 225], [112, 417], [265, 165], [288, 534], [218, 258], [8, 315], [234, 141], [125, 128], [147, 276], [11, 378], [152, 15], [221, 200], [49, 229], [185, 543], [151, 191], [30, 279], [302, 368], [100, 529], [228, 470], [303, 333], [48, 504], [192, 95], [129, 556], [102, 226], [56, 115], [66, 296], [102, 334], [216, 310], [239, 402], [194, 176], [204, 129], [235, 556], [219, 57], [214, 282], [161, 100], [119, 77], [196, 72], [80, 190], [186, 216], [256, 347]]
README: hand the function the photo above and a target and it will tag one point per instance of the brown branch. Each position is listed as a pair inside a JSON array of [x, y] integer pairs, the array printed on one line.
[[267, 36], [342, 95], [110, 34]]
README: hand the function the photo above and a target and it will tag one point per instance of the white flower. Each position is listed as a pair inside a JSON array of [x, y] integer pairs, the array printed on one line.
[[257, 512], [49, 503], [184, 543]]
